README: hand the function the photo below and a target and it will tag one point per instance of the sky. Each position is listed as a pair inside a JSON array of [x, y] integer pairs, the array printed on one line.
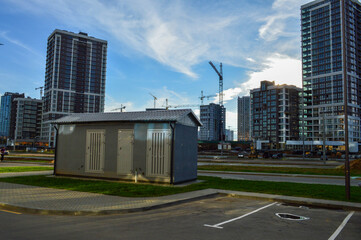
[[160, 47]]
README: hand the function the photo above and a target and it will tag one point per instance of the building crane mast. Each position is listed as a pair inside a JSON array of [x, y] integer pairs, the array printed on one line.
[[41, 91], [155, 99], [203, 97], [220, 74]]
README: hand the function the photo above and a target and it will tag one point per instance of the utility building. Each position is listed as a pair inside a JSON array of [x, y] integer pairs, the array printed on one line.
[[150, 146], [211, 116], [274, 115], [74, 78]]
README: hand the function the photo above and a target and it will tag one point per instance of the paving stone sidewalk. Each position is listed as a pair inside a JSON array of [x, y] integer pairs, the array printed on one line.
[[40, 200]]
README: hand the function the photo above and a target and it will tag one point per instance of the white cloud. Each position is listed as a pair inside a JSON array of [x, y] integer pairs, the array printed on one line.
[[178, 34], [279, 68], [278, 23]]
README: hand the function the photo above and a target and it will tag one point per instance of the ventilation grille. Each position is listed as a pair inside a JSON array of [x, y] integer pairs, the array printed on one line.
[[158, 152], [95, 151]]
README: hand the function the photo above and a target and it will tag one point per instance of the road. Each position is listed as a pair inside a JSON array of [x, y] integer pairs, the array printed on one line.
[[275, 177], [215, 218]]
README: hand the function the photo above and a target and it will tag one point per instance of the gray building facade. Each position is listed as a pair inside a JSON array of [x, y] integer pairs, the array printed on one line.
[[28, 119], [274, 115], [74, 78], [212, 129], [243, 118], [331, 54]]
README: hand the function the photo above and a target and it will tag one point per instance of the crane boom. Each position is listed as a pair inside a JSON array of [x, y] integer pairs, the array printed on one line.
[[220, 74]]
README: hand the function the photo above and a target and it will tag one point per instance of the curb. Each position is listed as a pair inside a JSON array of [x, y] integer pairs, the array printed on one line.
[[39, 211], [317, 203], [311, 202]]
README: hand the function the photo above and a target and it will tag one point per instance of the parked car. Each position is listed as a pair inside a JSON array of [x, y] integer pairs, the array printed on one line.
[[277, 155], [240, 155]]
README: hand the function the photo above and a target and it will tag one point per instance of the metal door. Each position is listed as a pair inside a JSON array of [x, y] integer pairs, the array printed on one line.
[[158, 152], [125, 151], [94, 154]]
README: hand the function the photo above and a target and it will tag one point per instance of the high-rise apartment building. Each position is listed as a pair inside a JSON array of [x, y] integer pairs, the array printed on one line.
[[8, 114], [243, 117], [274, 115], [28, 119], [331, 56], [211, 118], [74, 78]]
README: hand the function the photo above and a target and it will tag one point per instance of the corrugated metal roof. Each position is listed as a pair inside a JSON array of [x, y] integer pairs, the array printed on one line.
[[144, 116]]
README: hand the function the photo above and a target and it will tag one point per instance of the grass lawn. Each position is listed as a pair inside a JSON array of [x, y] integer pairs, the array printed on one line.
[[330, 192], [289, 170], [23, 169]]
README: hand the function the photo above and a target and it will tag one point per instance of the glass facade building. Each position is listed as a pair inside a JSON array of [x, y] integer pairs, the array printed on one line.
[[8, 114], [243, 118], [331, 53], [74, 78]]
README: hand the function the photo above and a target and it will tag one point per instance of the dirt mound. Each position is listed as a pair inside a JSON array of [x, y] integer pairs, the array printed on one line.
[[354, 164]]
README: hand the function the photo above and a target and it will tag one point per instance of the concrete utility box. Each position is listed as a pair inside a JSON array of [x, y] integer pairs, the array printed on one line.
[[157, 146]]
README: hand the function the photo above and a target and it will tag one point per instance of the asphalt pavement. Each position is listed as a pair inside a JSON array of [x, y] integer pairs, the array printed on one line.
[[279, 177]]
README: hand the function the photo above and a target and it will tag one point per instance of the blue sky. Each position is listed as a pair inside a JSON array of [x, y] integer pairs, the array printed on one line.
[[159, 47]]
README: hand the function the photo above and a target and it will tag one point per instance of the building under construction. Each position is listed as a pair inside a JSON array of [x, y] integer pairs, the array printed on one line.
[[211, 118]]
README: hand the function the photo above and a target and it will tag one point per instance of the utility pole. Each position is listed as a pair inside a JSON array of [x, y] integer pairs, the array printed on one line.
[[345, 99], [324, 138]]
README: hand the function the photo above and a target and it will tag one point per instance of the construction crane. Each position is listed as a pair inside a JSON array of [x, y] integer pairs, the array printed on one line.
[[179, 106], [155, 99], [203, 97], [220, 74], [121, 108], [41, 91]]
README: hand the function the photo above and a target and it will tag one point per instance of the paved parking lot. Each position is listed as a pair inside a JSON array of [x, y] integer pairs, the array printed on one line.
[[214, 218]]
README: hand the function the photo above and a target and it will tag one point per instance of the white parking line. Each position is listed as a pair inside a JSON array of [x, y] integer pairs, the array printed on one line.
[[234, 219], [343, 224]]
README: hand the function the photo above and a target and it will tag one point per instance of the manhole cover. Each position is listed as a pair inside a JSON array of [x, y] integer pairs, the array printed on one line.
[[290, 216]]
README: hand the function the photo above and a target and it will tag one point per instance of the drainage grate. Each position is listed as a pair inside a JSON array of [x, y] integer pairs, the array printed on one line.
[[290, 216]]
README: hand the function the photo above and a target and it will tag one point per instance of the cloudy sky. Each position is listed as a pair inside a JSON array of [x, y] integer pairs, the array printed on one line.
[[159, 47]]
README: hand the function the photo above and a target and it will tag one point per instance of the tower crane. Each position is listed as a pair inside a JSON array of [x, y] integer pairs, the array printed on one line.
[[203, 97], [41, 91], [220, 74], [155, 99], [179, 106], [121, 108]]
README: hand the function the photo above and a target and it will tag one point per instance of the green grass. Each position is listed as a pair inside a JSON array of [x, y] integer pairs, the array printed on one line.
[[330, 192], [23, 169], [20, 159], [289, 170]]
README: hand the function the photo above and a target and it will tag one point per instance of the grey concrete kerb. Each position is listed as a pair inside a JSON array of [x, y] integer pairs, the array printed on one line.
[[313, 202]]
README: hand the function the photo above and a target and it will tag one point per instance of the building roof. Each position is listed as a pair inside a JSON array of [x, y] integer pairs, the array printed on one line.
[[143, 116]]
